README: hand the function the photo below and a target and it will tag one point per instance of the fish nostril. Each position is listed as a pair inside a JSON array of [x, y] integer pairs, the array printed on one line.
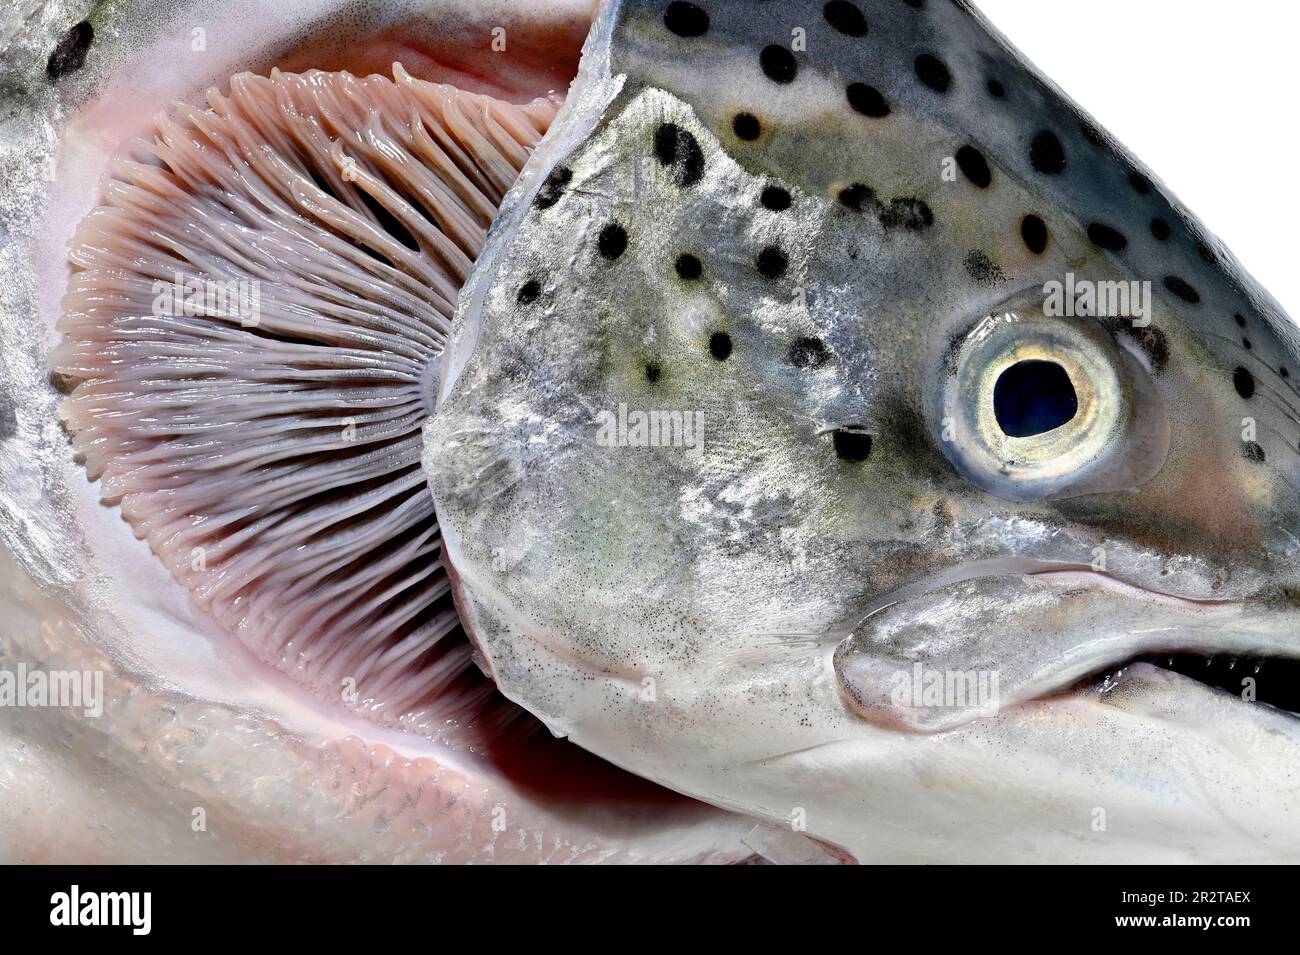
[[1033, 397], [851, 444], [720, 346]]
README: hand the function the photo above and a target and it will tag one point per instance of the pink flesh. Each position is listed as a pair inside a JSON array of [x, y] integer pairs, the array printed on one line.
[[108, 316], [271, 457]]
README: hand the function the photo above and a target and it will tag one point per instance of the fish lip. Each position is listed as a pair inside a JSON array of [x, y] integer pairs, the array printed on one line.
[[1013, 567], [1075, 677]]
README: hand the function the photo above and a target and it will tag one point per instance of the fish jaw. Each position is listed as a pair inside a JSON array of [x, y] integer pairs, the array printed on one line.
[[1142, 766], [677, 609]]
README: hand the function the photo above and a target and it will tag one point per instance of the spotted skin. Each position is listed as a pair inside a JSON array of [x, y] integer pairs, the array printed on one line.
[[876, 210]]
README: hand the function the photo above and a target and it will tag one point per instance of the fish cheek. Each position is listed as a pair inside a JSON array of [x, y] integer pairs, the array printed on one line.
[[1209, 498]]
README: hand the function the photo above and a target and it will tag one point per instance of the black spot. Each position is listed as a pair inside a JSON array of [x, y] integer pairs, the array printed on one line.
[[1244, 382], [772, 262], [867, 100], [1245, 343], [775, 198], [1034, 231], [1032, 397], [808, 353], [1182, 289], [688, 266], [746, 126], [850, 445], [1251, 451], [915, 4], [651, 372], [1140, 183], [1283, 372], [996, 89], [912, 214], [1160, 228], [1046, 153], [856, 196], [678, 149], [983, 269], [529, 291], [778, 64], [845, 17], [70, 53], [973, 166], [931, 71], [553, 188], [612, 241], [686, 19], [1107, 238], [720, 346], [1239, 319]]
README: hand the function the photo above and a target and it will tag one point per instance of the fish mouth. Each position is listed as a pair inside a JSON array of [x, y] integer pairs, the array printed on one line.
[[938, 656]]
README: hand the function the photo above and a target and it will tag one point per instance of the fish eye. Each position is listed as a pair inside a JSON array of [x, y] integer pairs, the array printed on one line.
[[1038, 407], [1032, 397]]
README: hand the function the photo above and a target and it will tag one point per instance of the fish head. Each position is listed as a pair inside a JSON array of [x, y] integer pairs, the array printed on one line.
[[840, 427]]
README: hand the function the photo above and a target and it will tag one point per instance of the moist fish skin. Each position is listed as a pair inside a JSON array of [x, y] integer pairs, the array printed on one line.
[[782, 259]]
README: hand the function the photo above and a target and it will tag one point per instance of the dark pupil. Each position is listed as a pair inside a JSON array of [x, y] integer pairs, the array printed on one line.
[[1031, 397]]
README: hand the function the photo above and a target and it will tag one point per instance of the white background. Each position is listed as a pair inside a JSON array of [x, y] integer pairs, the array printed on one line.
[[1205, 93]]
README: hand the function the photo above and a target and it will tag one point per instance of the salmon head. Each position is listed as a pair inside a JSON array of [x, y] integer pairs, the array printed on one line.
[[840, 427], [806, 414]]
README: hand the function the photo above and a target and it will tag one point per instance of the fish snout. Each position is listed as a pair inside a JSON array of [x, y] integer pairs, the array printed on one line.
[[945, 657]]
